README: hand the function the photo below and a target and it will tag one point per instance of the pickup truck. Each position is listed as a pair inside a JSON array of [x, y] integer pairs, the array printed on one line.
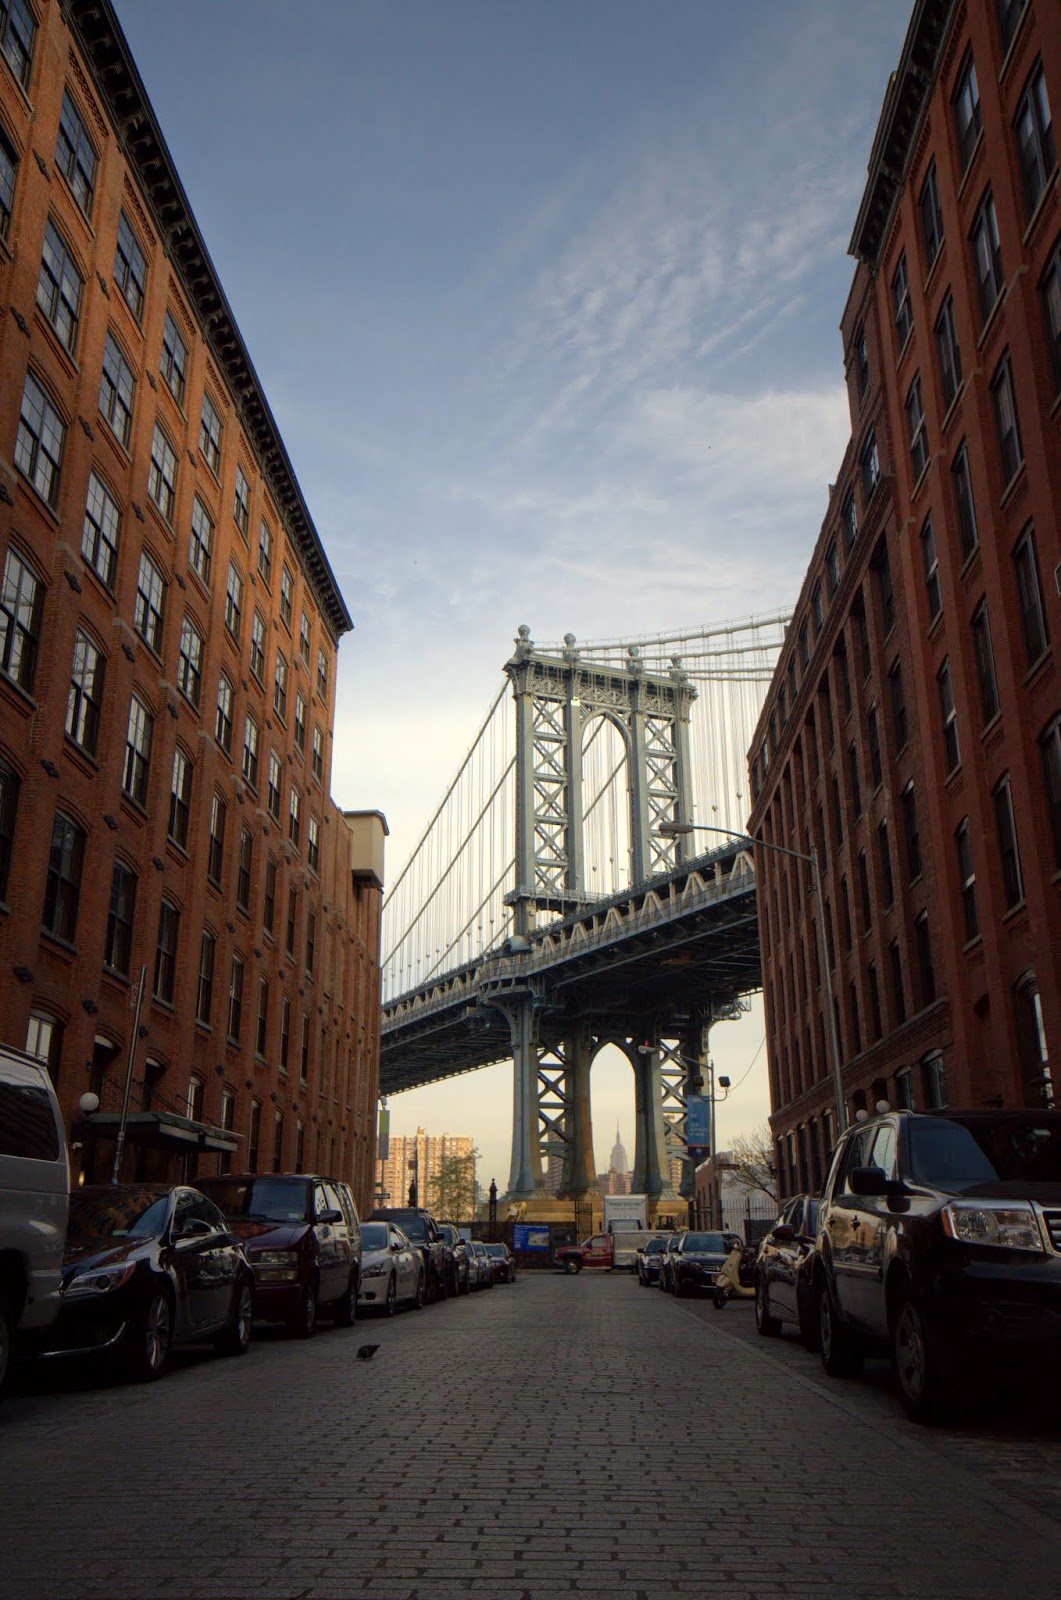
[[617, 1249]]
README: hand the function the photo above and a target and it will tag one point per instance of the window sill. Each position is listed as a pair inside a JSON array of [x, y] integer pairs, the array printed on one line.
[[178, 850], [156, 513], [1015, 912], [953, 408], [64, 183], [1016, 45], [120, 450], [116, 976], [970, 568], [935, 625], [953, 775], [919, 481], [37, 500], [993, 316], [1041, 206], [23, 699], [934, 268], [903, 348], [137, 810], [203, 1027], [234, 1044], [1037, 668], [66, 356], [200, 583], [81, 756], [64, 947], [1013, 487], [972, 165], [973, 944]]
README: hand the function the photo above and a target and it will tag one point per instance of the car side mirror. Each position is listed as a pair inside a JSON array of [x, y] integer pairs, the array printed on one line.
[[395, 1245], [330, 1216], [784, 1233], [868, 1181]]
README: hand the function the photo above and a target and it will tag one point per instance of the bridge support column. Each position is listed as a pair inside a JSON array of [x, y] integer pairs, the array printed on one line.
[[651, 1176], [693, 1046], [580, 1175], [525, 1176]]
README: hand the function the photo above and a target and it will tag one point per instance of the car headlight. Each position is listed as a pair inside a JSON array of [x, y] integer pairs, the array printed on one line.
[[375, 1269], [1008, 1227], [275, 1258], [98, 1281]]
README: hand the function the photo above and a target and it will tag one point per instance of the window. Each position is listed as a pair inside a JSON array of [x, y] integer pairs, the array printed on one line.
[[931, 215], [8, 176], [285, 1033], [1030, 596], [845, 914], [100, 534], [223, 720], [876, 1016], [911, 836], [235, 999], [873, 740], [166, 951], [858, 612], [86, 693], [60, 287], [300, 721], [311, 940], [117, 949], [62, 888], [900, 728], [832, 568], [1006, 825], [190, 662], [904, 316], [967, 880], [287, 596], [838, 814], [314, 844], [963, 496], [849, 519], [303, 638], [273, 794], [1010, 448], [928, 554], [294, 817], [150, 609], [292, 920], [200, 553], [245, 869], [234, 601], [241, 507], [269, 898], [885, 592], [985, 663], [210, 431], [1049, 744], [75, 154], [162, 473], [193, 1109], [117, 391], [265, 554], [44, 1039], [9, 787], [1035, 138], [227, 1124], [987, 255], [950, 357], [215, 855], [967, 110], [916, 427], [39, 445], [1050, 290], [261, 1032], [17, 33], [933, 1082], [204, 992], [318, 753], [174, 361], [804, 646], [278, 1142], [258, 646], [1009, 15], [865, 901], [885, 857], [322, 674], [138, 737], [20, 621], [180, 798], [949, 716], [251, 740], [255, 1139], [280, 686], [303, 1055], [898, 990], [861, 361], [853, 783], [926, 971], [130, 267]]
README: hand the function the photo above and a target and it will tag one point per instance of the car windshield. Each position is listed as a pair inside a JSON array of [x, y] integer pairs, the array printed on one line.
[[373, 1236], [955, 1156], [496, 1250], [655, 1247], [415, 1227], [116, 1214], [712, 1243], [262, 1199]]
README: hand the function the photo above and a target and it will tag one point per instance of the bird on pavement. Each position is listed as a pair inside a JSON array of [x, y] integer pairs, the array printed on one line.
[[367, 1351]]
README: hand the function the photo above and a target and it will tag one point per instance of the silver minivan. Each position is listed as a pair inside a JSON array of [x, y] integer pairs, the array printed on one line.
[[34, 1200]]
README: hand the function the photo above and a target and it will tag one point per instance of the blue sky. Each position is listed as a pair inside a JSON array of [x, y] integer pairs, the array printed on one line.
[[545, 299]]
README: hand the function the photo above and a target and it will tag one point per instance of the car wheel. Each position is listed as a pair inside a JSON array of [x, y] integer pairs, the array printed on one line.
[[344, 1311], [148, 1339], [390, 1303], [303, 1323], [767, 1325], [418, 1300], [572, 1266], [924, 1391], [233, 1341], [7, 1340], [840, 1350]]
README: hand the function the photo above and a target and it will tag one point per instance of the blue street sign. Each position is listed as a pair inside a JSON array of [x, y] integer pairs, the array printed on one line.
[[698, 1122], [530, 1236]]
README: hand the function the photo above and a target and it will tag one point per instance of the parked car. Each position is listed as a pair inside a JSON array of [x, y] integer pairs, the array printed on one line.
[[423, 1231], [939, 1239], [303, 1238], [34, 1192], [484, 1267], [392, 1271], [784, 1277], [696, 1260], [648, 1259], [458, 1247], [667, 1258], [148, 1266], [502, 1263]]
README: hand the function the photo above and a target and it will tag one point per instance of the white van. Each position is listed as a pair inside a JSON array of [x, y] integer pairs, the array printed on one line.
[[34, 1200]]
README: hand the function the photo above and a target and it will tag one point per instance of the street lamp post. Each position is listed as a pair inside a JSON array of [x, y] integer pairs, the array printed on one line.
[[674, 830]]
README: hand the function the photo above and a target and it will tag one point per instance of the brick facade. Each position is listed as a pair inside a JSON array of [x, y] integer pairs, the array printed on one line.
[[137, 450], [910, 735]]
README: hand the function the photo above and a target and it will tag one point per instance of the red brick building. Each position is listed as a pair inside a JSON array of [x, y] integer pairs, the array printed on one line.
[[912, 734], [168, 633]]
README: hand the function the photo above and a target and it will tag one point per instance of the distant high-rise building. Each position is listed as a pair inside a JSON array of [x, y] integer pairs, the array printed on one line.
[[418, 1157]]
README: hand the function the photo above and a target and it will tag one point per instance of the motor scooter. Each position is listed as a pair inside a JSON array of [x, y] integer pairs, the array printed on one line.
[[727, 1283]]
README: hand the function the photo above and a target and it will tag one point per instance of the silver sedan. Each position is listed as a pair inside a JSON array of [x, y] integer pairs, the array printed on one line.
[[392, 1271]]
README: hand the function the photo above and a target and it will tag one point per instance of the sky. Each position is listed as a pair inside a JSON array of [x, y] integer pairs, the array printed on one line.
[[544, 297]]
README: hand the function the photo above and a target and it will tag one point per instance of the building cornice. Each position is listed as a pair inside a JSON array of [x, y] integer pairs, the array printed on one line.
[[909, 91], [106, 53]]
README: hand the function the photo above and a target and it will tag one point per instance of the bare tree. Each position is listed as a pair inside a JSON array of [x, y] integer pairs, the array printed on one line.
[[752, 1161]]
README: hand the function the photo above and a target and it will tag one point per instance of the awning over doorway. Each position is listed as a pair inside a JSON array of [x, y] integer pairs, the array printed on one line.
[[162, 1130]]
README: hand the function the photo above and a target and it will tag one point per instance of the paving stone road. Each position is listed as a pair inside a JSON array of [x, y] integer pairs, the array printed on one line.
[[565, 1436]]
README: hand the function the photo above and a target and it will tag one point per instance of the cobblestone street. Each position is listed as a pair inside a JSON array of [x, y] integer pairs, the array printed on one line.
[[566, 1436]]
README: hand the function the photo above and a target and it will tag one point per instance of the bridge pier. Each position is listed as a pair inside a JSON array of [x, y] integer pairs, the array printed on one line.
[[651, 1176], [580, 1167], [525, 1176]]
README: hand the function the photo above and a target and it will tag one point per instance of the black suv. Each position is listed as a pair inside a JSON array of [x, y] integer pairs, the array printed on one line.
[[939, 1238], [460, 1268], [425, 1235]]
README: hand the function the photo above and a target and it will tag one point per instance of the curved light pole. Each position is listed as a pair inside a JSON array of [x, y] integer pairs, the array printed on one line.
[[675, 830]]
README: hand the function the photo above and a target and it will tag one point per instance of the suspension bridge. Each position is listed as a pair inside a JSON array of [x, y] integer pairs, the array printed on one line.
[[555, 902]]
